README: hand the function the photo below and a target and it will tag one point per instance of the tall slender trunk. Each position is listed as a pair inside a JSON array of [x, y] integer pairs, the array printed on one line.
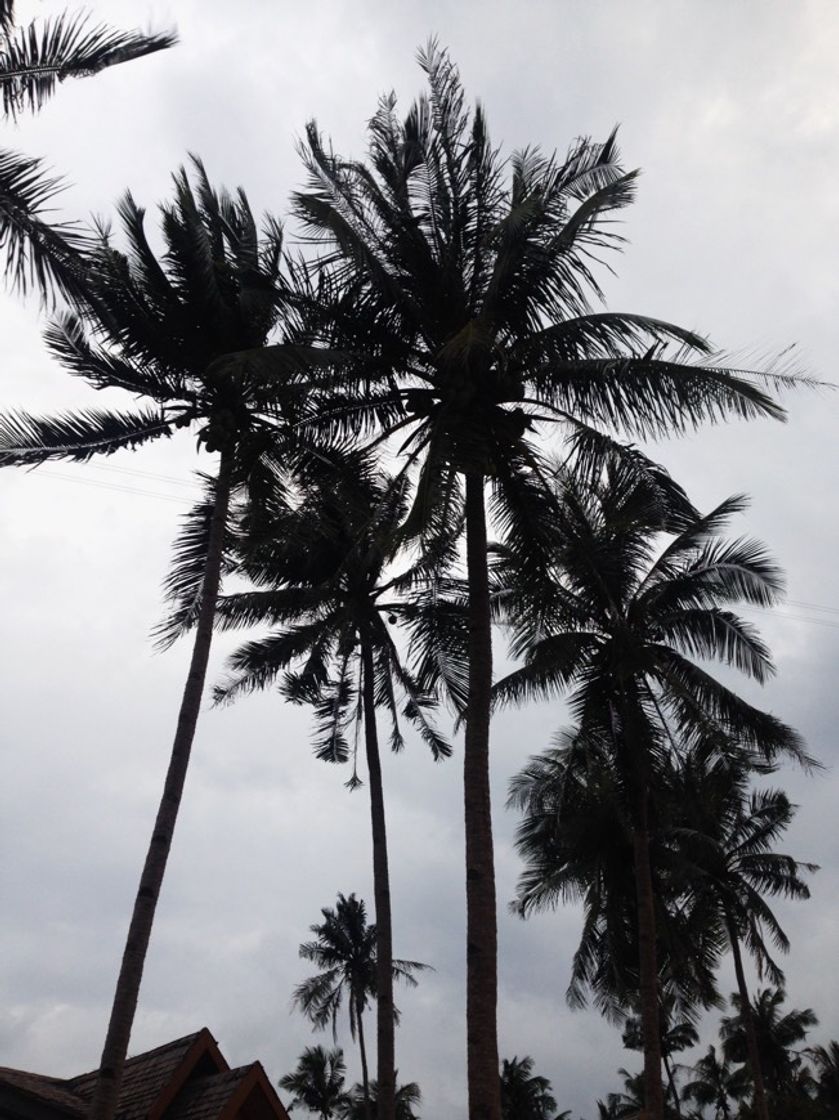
[[106, 1092], [648, 963], [760, 1103], [385, 1043], [671, 1081], [362, 1049], [481, 923]]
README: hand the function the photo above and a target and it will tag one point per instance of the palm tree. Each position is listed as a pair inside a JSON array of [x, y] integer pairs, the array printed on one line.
[[457, 284], [168, 331], [677, 1033], [344, 950], [715, 1084], [776, 1034], [826, 1061], [321, 573], [318, 1081], [726, 836], [524, 1094], [406, 1098], [33, 61], [575, 838], [620, 625]]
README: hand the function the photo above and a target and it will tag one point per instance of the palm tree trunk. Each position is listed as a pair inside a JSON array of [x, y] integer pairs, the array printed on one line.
[[481, 923], [648, 963], [385, 1043], [671, 1081], [362, 1049], [106, 1092], [760, 1103]]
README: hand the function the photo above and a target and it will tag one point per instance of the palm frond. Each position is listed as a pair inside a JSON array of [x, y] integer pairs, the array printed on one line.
[[35, 60], [27, 440], [48, 256]]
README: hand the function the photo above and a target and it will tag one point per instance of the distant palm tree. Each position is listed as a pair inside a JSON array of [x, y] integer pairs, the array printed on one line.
[[678, 1033], [725, 838], [715, 1084], [621, 621], [167, 331], [33, 61], [322, 580], [318, 1081], [344, 950], [462, 285], [826, 1062], [575, 839], [524, 1094], [406, 1098], [776, 1033]]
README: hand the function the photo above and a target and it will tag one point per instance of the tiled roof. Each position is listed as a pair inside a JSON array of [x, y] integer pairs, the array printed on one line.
[[144, 1078], [205, 1097], [49, 1090]]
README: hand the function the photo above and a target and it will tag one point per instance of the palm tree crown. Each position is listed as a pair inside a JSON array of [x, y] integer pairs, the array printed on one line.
[[777, 1035], [344, 951], [318, 1081]]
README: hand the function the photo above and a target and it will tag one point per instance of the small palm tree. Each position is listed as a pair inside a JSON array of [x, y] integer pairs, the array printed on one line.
[[776, 1033], [716, 1084], [826, 1062], [621, 622], [678, 1033], [344, 950], [167, 330], [318, 1081], [321, 574], [406, 1098], [33, 61], [725, 838], [461, 283], [524, 1094]]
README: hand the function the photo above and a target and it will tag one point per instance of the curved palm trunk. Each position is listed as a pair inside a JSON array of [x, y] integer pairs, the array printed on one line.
[[385, 1043], [362, 1050], [481, 927], [648, 963], [106, 1092], [760, 1103]]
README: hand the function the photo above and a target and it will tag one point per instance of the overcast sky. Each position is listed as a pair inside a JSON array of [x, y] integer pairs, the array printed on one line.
[[732, 111]]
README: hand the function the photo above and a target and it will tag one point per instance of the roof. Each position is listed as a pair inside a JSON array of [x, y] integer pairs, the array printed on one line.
[[50, 1091], [187, 1079]]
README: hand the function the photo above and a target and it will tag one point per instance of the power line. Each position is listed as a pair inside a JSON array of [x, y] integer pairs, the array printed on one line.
[[101, 485]]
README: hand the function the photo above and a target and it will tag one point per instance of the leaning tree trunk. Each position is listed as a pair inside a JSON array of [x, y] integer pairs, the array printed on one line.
[[106, 1091], [385, 1057], [481, 926], [671, 1081], [362, 1050], [647, 961], [760, 1103]]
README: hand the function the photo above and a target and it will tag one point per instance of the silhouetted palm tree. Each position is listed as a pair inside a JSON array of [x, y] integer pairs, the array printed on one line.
[[826, 1062], [677, 1033], [620, 627], [406, 1098], [34, 59], [725, 840], [321, 571], [776, 1035], [344, 950], [575, 838], [524, 1094], [167, 330], [715, 1084], [318, 1081], [460, 285]]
